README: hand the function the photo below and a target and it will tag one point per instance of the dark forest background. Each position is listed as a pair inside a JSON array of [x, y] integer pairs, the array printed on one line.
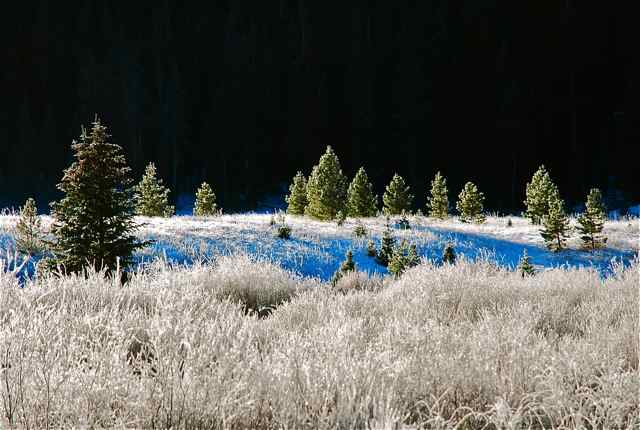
[[245, 93]]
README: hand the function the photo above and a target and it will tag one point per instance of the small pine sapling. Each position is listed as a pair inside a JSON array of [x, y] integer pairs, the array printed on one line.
[[297, 198], [509, 223], [29, 236], [413, 259], [404, 222], [341, 217], [372, 251], [283, 231], [386, 247], [399, 261], [555, 225], [205, 201], [591, 222], [438, 202], [347, 266], [360, 230], [525, 267], [449, 254], [471, 204], [152, 198]]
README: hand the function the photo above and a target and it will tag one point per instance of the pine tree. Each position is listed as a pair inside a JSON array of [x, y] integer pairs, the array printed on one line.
[[404, 222], [152, 198], [438, 202], [525, 267], [361, 200], [591, 222], [397, 197], [538, 191], [297, 198], [449, 254], [413, 259], [387, 246], [93, 223], [347, 266], [471, 204], [372, 251], [360, 230], [205, 201], [399, 260], [327, 188], [555, 224], [29, 236]]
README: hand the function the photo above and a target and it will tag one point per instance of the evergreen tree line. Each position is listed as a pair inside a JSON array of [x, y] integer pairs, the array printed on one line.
[[93, 223], [326, 195]]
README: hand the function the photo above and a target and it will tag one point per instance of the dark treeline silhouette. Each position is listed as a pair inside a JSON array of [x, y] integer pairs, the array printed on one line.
[[243, 94]]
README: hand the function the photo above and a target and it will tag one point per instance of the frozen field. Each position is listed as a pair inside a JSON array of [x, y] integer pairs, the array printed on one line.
[[316, 249]]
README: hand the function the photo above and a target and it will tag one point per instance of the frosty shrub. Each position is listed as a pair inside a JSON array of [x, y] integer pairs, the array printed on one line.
[[355, 280], [264, 285]]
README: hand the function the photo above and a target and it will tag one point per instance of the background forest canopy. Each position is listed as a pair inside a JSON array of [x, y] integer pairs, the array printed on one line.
[[243, 94]]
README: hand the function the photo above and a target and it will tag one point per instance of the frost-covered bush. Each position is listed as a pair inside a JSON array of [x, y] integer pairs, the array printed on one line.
[[253, 284]]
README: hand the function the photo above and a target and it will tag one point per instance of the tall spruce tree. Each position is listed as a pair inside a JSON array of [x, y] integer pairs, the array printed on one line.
[[438, 202], [361, 202], [555, 224], [397, 198], [93, 224], [538, 192], [205, 201], [152, 198], [29, 236], [297, 198], [471, 204], [326, 188], [591, 222]]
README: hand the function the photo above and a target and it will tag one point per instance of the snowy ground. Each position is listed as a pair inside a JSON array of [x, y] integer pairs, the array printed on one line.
[[316, 248]]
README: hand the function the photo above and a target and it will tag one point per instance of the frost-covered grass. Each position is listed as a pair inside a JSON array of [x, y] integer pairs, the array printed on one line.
[[470, 345]]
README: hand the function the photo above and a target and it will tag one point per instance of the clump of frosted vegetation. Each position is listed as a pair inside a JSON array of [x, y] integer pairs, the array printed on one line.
[[454, 346]]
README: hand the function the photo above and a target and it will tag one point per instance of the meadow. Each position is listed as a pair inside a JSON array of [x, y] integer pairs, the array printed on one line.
[[472, 345]]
